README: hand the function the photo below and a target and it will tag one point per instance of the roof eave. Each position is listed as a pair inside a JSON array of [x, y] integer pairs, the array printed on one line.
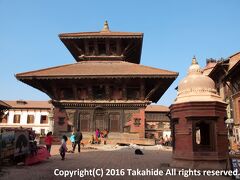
[[19, 77], [232, 70]]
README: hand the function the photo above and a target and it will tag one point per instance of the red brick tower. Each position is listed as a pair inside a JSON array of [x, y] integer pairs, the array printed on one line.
[[197, 116]]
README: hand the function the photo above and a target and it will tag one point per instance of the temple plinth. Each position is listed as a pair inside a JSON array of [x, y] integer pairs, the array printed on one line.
[[198, 128]]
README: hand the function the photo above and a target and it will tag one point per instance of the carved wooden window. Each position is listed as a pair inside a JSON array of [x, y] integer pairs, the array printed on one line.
[[61, 121], [156, 117], [99, 92], [30, 119], [16, 118], [116, 93], [137, 122], [66, 93], [82, 93], [133, 93], [44, 119], [4, 119]]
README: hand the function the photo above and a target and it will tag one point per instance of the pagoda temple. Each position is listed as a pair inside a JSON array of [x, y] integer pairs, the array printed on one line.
[[106, 88]]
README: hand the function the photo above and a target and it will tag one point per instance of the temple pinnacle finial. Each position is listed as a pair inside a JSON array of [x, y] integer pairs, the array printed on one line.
[[105, 27], [194, 60]]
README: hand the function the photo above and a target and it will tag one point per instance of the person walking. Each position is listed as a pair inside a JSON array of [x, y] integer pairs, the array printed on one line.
[[78, 138], [72, 139], [48, 141], [63, 147]]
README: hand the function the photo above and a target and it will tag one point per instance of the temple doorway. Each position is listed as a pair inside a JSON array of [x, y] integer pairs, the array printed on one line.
[[99, 119], [203, 136]]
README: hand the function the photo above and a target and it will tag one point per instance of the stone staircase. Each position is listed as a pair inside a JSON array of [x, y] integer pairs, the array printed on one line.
[[113, 138], [121, 138]]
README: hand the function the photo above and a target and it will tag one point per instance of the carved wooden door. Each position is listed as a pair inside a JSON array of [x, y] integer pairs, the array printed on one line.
[[114, 122], [84, 122], [99, 121]]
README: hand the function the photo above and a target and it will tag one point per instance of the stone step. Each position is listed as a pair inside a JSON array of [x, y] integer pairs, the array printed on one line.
[[113, 135], [113, 138]]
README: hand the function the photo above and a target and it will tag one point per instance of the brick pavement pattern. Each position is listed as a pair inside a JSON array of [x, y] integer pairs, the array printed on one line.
[[105, 158]]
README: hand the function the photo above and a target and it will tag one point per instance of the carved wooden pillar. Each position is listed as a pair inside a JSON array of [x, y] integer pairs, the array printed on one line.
[[142, 90], [107, 92], [119, 48], [107, 47], [75, 120], [90, 93], [92, 125], [122, 120], [75, 94], [86, 46], [124, 91], [96, 48]]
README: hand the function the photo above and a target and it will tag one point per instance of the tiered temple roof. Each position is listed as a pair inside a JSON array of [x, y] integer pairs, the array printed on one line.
[[101, 55], [98, 69]]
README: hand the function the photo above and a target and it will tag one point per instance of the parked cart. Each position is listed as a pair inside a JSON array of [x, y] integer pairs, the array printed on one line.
[[19, 145]]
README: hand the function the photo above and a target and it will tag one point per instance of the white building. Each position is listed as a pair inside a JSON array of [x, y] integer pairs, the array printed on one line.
[[28, 114]]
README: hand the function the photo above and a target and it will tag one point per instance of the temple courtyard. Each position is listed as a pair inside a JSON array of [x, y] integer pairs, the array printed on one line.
[[119, 161]]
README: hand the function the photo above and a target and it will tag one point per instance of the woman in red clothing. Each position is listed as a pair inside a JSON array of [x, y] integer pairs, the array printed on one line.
[[48, 141]]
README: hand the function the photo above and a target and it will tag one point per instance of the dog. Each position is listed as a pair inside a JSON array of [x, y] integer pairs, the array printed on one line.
[[138, 152], [82, 144]]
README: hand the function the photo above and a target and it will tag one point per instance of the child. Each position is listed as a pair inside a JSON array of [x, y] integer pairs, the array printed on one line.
[[63, 147], [72, 139], [48, 141]]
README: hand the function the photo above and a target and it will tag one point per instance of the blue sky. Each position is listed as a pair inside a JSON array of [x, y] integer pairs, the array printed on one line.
[[173, 30]]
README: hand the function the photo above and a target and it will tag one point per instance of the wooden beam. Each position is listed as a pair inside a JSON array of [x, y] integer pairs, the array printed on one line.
[[77, 49], [153, 91], [96, 48]]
